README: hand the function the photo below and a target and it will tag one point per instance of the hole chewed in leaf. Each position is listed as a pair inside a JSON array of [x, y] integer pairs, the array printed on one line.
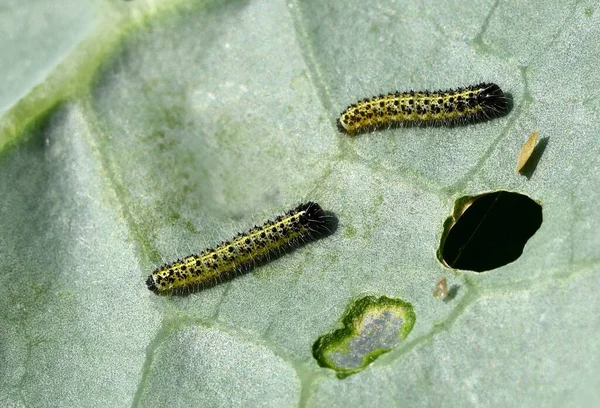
[[372, 326], [489, 230]]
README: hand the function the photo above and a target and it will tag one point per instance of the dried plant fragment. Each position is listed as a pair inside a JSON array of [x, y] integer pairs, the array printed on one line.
[[527, 150], [441, 289]]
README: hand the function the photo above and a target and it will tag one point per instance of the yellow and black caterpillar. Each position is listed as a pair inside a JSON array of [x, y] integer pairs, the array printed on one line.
[[449, 107], [305, 222]]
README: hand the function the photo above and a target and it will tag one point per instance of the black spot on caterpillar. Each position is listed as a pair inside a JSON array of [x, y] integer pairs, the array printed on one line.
[[470, 104], [245, 251]]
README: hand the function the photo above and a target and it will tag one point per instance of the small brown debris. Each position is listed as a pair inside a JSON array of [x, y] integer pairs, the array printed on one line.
[[527, 150], [441, 289]]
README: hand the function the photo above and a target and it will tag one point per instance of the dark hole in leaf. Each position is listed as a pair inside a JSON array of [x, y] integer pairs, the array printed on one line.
[[491, 232]]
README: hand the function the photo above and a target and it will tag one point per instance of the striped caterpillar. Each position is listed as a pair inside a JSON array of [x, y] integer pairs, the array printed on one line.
[[244, 251], [473, 103]]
